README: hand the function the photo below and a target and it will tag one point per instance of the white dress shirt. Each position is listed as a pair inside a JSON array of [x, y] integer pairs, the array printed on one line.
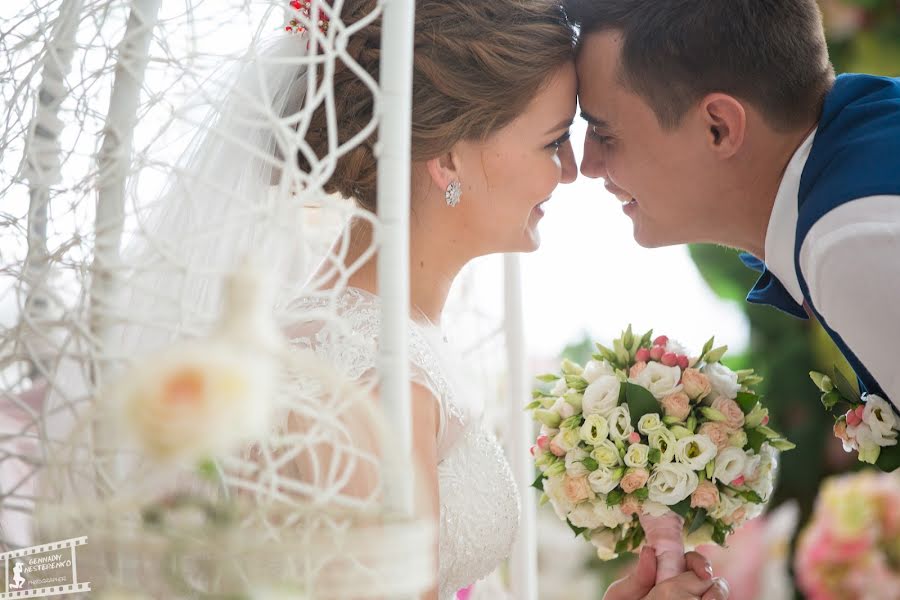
[[851, 261]]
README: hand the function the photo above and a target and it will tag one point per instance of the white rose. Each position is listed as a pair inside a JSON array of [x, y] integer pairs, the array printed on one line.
[[606, 454], [664, 441], [594, 430], [726, 507], [573, 462], [604, 479], [671, 483], [585, 516], [722, 380], [763, 481], [610, 516], [605, 543], [567, 439], [601, 397], [650, 422], [654, 509], [596, 369], [563, 408], [880, 418], [620, 423], [637, 455], [560, 388], [555, 489], [659, 379], [751, 464], [695, 451], [730, 464], [676, 348]]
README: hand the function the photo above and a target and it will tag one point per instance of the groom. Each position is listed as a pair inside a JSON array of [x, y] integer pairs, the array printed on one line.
[[722, 122]]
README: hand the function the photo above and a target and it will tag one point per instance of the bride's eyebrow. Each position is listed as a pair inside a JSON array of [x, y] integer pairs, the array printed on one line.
[[564, 124]]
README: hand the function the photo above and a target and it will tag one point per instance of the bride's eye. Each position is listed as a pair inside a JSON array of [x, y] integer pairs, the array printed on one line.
[[558, 142]]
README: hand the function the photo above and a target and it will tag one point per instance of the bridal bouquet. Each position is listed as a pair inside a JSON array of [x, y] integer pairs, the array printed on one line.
[[851, 546], [643, 431], [865, 424]]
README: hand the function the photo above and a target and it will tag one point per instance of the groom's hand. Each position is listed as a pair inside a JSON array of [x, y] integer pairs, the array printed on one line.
[[697, 582]]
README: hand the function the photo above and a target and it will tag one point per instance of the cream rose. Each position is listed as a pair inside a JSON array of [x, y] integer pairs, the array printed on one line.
[[605, 543], [631, 505], [637, 455], [650, 422], [560, 387], [564, 441], [610, 516], [676, 405], [603, 480], [719, 433], [594, 369], [659, 379], [577, 489], [620, 423], [880, 418], [671, 483], [654, 509], [606, 454], [574, 468], [584, 516], [601, 397], [730, 464], [594, 430], [563, 408], [734, 416], [722, 380], [726, 506], [664, 441], [695, 451], [696, 384], [555, 489], [705, 496], [634, 480]]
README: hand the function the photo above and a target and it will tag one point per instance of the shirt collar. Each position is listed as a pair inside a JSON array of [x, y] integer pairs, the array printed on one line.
[[781, 232]]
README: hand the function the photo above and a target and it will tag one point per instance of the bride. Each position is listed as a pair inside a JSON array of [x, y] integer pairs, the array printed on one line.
[[494, 94]]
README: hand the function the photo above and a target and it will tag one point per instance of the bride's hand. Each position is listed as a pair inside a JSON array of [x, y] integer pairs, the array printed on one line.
[[697, 582]]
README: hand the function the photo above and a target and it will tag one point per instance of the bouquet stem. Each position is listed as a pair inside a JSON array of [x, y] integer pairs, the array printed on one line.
[[664, 535]]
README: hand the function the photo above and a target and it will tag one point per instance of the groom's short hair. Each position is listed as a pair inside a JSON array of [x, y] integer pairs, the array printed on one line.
[[769, 53]]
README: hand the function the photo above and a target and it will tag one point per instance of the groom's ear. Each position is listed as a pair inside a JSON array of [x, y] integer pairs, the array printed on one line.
[[443, 170], [726, 123]]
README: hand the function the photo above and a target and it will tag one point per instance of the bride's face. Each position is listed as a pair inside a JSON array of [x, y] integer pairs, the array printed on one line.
[[507, 179]]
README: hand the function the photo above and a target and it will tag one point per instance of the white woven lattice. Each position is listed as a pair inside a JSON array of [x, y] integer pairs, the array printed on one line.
[[115, 245]]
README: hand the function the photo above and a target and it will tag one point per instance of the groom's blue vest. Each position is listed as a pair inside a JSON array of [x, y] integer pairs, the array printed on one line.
[[855, 154]]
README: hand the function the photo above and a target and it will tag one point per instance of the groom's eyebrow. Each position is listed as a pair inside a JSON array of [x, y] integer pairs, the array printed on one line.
[[595, 121]]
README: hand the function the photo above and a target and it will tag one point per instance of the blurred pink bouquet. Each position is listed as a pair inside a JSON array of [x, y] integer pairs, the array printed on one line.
[[851, 547], [645, 431]]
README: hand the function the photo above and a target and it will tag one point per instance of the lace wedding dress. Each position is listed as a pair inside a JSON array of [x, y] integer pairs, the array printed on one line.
[[479, 505]]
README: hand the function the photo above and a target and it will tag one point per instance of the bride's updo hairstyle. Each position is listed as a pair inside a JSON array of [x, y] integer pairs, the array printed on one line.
[[477, 66]]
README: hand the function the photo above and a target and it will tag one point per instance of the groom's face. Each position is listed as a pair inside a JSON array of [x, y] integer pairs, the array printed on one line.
[[661, 176]]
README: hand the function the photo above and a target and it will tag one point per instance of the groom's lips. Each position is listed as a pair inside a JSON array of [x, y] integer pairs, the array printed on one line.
[[629, 202]]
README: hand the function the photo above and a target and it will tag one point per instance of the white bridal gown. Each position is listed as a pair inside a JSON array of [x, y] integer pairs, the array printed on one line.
[[479, 504]]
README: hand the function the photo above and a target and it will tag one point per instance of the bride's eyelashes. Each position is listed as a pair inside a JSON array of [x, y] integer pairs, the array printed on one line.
[[558, 142]]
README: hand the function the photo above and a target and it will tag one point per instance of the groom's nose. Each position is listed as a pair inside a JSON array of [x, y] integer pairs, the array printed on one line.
[[568, 168], [592, 161]]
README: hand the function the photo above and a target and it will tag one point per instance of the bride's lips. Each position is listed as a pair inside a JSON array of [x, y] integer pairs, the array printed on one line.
[[539, 208]]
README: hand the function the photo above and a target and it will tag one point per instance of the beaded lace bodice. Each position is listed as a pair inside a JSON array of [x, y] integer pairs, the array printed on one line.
[[479, 506]]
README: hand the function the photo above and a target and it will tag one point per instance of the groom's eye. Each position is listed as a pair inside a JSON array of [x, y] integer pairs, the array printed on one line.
[[599, 135]]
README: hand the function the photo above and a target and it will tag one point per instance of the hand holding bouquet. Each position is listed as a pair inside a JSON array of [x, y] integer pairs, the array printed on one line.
[[644, 443]]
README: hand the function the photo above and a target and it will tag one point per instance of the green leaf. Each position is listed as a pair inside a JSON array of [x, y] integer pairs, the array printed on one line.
[[642, 494], [623, 546], [755, 439], [576, 382], [682, 508], [697, 521], [208, 469], [590, 464], [753, 380], [751, 496], [782, 444], [533, 405], [715, 355], [628, 337], [548, 378], [830, 399], [538, 483], [822, 381], [889, 459], [768, 432], [640, 401], [708, 346], [615, 497], [647, 339], [720, 532], [847, 389], [746, 400], [577, 530], [598, 357], [654, 456]]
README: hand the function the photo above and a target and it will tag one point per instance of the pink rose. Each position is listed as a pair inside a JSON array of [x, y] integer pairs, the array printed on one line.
[[717, 432], [705, 496], [636, 369], [735, 518], [577, 489], [634, 479], [677, 405], [631, 505], [734, 416], [543, 442], [696, 384]]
